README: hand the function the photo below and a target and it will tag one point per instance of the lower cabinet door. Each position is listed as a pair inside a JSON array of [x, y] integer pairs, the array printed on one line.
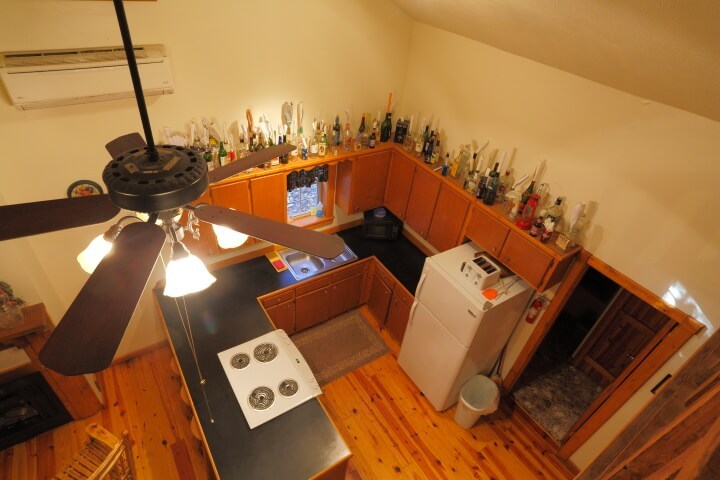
[[397, 318], [312, 308], [345, 294], [379, 299], [283, 316]]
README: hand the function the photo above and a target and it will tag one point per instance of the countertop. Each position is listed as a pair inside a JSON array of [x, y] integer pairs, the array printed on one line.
[[300, 443]]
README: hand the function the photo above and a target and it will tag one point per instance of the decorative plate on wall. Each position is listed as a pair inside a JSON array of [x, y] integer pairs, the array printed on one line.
[[83, 188]]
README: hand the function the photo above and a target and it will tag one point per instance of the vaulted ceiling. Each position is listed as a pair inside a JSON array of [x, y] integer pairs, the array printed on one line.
[[663, 50]]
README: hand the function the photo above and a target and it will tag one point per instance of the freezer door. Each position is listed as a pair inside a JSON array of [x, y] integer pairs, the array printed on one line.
[[432, 357], [459, 312]]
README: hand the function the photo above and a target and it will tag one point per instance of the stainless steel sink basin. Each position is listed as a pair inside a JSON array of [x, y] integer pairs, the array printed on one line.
[[303, 265]]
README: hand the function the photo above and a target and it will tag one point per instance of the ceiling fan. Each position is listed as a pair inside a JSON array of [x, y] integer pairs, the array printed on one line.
[[156, 180]]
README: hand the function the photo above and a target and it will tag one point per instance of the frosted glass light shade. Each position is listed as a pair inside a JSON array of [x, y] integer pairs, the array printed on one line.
[[186, 275], [94, 253], [229, 238]]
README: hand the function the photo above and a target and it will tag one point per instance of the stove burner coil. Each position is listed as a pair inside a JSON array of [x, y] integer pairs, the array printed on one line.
[[265, 352], [288, 388], [240, 361], [261, 398]]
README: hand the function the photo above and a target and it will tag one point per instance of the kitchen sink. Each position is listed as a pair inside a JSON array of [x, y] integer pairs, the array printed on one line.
[[303, 265]]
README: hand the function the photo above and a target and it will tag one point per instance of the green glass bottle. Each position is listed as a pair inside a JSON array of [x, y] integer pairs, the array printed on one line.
[[222, 155]]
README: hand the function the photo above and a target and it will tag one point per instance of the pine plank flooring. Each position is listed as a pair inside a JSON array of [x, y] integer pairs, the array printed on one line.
[[392, 430]]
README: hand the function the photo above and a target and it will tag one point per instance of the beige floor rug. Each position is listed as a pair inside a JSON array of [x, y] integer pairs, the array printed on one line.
[[339, 346]]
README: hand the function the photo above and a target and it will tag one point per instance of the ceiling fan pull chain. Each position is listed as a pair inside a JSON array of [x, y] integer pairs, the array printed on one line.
[[135, 75], [191, 341]]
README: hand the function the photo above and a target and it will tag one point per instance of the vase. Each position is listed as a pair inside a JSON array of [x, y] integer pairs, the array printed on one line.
[[11, 317]]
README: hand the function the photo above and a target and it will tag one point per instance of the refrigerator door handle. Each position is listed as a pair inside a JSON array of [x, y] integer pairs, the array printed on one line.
[[412, 312], [420, 283]]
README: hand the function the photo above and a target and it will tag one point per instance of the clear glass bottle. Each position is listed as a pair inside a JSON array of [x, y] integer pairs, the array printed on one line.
[[361, 131], [408, 142], [323, 144], [555, 212], [347, 138]]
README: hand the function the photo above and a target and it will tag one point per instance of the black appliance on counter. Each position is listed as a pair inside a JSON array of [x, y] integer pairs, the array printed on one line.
[[381, 224]]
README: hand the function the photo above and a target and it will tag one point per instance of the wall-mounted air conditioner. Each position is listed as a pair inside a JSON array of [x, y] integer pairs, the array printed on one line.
[[53, 78]]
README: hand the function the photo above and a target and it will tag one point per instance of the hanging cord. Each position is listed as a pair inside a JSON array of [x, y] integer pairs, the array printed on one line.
[[191, 341]]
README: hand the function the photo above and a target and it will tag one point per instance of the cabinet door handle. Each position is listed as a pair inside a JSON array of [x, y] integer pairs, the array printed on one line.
[[412, 312], [494, 248], [507, 259], [420, 283]]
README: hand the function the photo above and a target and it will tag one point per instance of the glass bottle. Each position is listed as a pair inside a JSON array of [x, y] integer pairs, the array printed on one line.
[[445, 165], [482, 184], [420, 142], [526, 196], [408, 142], [313, 146], [361, 131], [555, 212], [386, 128], [492, 187], [337, 138], [428, 148], [323, 144], [435, 153], [347, 138], [222, 155], [372, 141], [285, 157]]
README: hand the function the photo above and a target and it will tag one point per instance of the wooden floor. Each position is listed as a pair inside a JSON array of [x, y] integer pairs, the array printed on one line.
[[389, 426]]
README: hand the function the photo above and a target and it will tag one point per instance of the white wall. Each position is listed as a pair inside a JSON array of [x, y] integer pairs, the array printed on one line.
[[226, 56], [645, 169]]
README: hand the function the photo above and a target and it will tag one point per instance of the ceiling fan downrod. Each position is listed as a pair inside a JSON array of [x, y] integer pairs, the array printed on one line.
[[135, 75]]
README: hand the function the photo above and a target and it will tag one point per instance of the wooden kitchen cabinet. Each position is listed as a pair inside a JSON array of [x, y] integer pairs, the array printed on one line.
[[361, 182], [522, 257], [421, 204], [206, 245], [397, 317], [448, 218], [399, 183], [312, 308], [269, 197], [345, 294], [379, 299], [486, 231], [234, 195], [283, 316]]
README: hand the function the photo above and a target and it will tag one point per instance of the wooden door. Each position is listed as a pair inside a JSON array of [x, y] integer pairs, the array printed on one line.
[[448, 218], [283, 316], [234, 195], [206, 245], [397, 317], [379, 299], [618, 338], [371, 172], [399, 183], [421, 204], [486, 231], [269, 197], [312, 308], [524, 258], [345, 294]]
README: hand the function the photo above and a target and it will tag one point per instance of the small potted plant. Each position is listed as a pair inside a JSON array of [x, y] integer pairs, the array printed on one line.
[[11, 313]]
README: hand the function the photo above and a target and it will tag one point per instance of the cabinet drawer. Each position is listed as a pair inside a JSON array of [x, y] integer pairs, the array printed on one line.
[[384, 275], [278, 299], [403, 295], [525, 259], [486, 231], [312, 285], [348, 272]]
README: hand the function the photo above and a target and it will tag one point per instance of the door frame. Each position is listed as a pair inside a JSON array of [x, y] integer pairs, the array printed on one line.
[[654, 355]]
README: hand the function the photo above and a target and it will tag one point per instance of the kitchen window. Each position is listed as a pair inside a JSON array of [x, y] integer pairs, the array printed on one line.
[[307, 193]]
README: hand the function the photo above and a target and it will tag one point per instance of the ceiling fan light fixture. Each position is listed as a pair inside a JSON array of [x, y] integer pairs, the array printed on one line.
[[229, 238], [185, 273], [93, 254]]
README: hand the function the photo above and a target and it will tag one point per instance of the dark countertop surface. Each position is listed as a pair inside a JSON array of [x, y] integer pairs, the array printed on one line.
[[300, 443]]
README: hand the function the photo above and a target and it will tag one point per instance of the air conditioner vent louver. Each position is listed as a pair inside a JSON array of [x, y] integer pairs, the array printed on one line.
[[52, 78], [68, 57]]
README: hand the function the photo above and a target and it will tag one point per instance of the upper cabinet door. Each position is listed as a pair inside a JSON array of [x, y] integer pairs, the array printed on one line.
[[400, 177], [448, 218], [269, 197], [522, 257], [486, 231], [371, 172], [233, 195], [421, 204]]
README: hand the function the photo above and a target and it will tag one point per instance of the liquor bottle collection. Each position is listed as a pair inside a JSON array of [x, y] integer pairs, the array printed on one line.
[[485, 174]]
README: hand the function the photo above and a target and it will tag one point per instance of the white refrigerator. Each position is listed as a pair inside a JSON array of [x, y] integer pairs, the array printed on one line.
[[454, 331]]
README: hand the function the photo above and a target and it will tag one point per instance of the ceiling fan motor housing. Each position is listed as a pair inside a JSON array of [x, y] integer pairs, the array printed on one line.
[[137, 183]]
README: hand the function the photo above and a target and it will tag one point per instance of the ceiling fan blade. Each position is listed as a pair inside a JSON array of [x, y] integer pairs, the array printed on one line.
[[252, 160], [123, 144], [308, 241], [88, 336], [25, 219]]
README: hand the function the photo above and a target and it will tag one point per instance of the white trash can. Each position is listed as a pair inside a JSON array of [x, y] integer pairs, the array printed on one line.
[[479, 396]]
